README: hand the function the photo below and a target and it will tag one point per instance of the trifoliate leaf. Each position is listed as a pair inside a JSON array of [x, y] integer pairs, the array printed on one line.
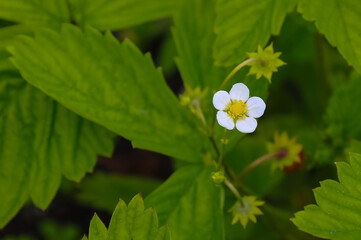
[[123, 92], [339, 21], [243, 25], [130, 222], [246, 209], [267, 63], [49, 13], [40, 141], [114, 14], [190, 202], [337, 214]]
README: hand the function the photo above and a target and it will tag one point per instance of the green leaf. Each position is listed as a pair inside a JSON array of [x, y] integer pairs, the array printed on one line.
[[43, 12], [97, 229], [114, 14], [190, 203], [130, 222], [124, 92], [194, 37], [102, 190], [7, 36], [243, 25], [41, 141], [119, 224], [340, 22], [342, 114], [337, 214]]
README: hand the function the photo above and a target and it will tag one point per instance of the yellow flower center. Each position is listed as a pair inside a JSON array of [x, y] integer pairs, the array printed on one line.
[[237, 109]]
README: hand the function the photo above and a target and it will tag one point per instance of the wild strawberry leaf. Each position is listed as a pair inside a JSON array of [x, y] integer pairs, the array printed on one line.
[[40, 12], [340, 22], [112, 84], [337, 214], [130, 222], [190, 203], [40, 141], [194, 37], [242, 25], [114, 14]]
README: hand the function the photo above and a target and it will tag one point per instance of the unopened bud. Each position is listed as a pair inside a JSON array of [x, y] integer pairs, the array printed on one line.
[[218, 177]]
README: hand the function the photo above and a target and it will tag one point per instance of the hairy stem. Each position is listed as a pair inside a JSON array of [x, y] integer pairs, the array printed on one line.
[[211, 138], [236, 69], [233, 190], [221, 153], [255, 163]]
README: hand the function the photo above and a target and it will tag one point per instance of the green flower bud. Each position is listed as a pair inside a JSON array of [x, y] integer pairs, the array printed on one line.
[[218, 177]]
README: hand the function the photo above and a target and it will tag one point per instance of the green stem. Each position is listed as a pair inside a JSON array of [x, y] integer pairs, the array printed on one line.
[[221, 153], [233, 190], [211, 138], [209, 133], [255, 163], [201, 115], [236, 69]]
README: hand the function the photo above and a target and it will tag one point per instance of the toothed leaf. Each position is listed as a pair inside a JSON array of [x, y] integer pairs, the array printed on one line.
[[130, 222], [41, 12], [190, 203], [243, 25], [340, 22], [337, 214], [115, 14], [40, 141], [124, 92], [194, 37]]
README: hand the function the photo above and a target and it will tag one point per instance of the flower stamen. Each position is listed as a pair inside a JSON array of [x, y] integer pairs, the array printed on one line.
[[237, 109]]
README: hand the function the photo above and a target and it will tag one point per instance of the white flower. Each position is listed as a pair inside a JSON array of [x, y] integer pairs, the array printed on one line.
[[237, 108]]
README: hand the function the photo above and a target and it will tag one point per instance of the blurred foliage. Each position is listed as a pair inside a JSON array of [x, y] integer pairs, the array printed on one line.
[[102, 191], [51, 230]]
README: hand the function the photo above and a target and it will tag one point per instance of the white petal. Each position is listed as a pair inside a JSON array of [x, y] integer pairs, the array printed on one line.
[[221, 100], [225, 120], [256, 107], [239, 91], [246, 125]]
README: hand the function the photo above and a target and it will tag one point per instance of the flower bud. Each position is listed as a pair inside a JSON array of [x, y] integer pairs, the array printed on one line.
[[218, 177]]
